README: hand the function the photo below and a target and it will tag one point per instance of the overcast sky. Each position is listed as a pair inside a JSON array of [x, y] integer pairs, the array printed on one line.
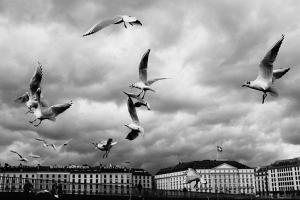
[[208, 49]]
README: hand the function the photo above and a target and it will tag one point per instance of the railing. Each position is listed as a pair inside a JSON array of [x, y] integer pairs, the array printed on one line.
[[16, 184]]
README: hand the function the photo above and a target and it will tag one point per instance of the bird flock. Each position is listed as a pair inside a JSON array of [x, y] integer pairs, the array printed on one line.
[[39, 107]]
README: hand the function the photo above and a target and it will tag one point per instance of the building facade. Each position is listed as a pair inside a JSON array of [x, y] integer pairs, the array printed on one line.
[[284, 177], [75, 179], [221, 177], [261, 181]]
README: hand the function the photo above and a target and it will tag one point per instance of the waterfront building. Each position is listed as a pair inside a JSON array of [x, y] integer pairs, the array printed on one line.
[[75, 179], [221, 176]]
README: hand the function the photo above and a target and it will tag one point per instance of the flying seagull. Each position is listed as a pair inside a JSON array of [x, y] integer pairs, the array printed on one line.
[[45, 143], [22, 159], [45, 194], [33, 155], [144, 84], [116, 20], [64, 144], [49, 113], [192, 175], [266, 75], [134, 126], [105, 145], [29, 98], [139, 102]]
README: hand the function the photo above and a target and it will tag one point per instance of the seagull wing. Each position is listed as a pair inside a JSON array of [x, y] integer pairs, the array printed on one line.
[[137, 22], [39, 139], [58, 109], [150, 82], [22, 99], [278, 73], [36, 79], [143, 67], [101, 25], [132, 135], [34, 156], [191, 175], [113, 143], [132, 111], [67, 142], [129, 94], [266, 65], [53, 146], [16, 153]]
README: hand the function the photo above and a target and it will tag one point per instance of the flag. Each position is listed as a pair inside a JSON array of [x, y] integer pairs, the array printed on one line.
[[219, 148]]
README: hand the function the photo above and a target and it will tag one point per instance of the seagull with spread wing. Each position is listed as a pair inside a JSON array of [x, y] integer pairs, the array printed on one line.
[[22, 159], [266, 75], [192, 175], [144, 84], [139, 101], [64, 144], [45, 194], [134, 126], [29, 98], [105, 145], [116, 20], [49, 113], [45, 143], [33, 155]]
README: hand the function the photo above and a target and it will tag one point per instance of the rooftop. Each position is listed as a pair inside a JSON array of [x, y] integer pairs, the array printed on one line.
[[74, 169], [204, 164], [285, 163]]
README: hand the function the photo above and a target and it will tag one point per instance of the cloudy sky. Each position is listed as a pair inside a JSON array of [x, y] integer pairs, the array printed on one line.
[[207, 48]]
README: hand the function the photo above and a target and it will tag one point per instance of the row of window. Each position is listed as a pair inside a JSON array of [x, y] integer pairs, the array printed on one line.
[[240, 172]]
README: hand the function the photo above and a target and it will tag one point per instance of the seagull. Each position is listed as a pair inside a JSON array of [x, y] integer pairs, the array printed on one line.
[[45, 194], [144, 84], [22, 159], [33, 155], [192, 175], [266, 75], [135, 126], [45, 143], [49, 113], [29, 98], [64, 144], [116, 20], [105, 145], [140, 101]]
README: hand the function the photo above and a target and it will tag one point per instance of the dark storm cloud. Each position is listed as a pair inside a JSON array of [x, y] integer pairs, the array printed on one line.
[[207, 49]]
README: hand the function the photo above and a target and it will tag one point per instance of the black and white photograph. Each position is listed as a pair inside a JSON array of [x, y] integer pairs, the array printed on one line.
[[149, 99]]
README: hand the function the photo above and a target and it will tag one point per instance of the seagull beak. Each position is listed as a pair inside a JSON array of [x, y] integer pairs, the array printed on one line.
[[243, 85]]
